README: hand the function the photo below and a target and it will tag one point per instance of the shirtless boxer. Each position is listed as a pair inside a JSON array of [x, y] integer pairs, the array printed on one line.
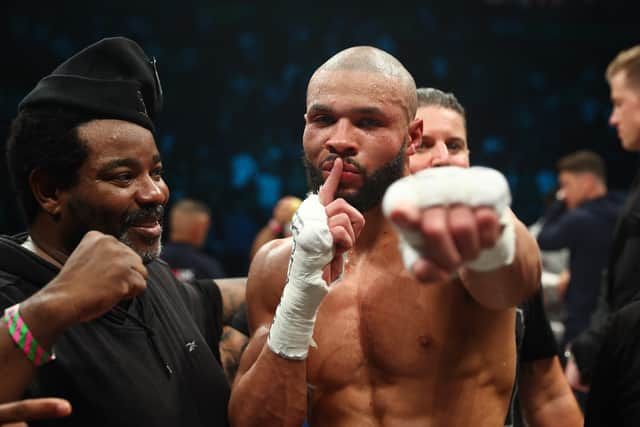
[[545, 395], [431, 345]]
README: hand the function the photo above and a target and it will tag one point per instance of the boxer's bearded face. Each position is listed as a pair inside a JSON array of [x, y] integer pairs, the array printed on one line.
[[374, 185]]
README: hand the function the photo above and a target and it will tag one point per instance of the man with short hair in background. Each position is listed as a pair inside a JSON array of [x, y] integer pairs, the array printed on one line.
[[189, 223], [582, 220], [610, 348]]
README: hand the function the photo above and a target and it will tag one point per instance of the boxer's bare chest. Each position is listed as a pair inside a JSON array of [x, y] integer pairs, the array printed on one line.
[[377, 321]]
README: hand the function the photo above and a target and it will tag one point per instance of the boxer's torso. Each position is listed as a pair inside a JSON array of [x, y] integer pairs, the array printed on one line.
[[391, 351]]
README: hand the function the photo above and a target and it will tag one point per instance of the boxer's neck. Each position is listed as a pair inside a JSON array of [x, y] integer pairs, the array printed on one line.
[[377, 231]]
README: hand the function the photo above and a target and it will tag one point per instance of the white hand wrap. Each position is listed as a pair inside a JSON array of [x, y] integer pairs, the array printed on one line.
[[476, 186], [292, 329]]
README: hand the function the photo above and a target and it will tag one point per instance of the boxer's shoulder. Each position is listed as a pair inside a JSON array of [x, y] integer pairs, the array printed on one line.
[[267, 276], [274, 251]]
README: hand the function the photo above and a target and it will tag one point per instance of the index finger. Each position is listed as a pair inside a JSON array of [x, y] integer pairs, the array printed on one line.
[[34, 409], [328, 190]]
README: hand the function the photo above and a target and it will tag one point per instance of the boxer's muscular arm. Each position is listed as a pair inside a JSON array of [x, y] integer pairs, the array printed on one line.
[[271, 386], [547, 399], [509, 285], [268, 389]]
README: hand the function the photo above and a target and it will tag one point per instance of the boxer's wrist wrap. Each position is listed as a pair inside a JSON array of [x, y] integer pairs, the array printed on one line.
[[476, 186], [292, 329], [502, 253]]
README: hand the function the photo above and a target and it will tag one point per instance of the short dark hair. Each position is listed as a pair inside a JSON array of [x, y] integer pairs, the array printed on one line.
[[45, 137], [583, 161], [428, 96]]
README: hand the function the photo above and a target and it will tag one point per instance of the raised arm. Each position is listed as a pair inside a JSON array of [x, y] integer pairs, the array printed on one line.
[[97, 275], [268, 389], [271, 386]]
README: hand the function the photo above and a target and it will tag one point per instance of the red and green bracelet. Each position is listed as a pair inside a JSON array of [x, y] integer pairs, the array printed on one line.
[[23, 338]]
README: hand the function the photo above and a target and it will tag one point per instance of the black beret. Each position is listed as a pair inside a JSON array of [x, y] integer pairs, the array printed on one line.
[[112, 78]]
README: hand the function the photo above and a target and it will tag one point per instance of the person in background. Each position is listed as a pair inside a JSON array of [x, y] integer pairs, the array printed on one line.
[[581, 220], [189, 223], [279, 224], [610, 348], [541, 394], [555, 276]]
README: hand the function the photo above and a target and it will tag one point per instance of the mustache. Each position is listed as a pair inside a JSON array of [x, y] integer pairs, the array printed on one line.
[[143, 215], [332, 157]]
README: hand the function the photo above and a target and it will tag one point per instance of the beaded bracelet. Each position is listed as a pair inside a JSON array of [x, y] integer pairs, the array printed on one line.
[[23, 338]]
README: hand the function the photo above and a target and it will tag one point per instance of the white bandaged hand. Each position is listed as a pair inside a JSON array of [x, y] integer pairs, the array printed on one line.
[[444, 186], [292, 329]]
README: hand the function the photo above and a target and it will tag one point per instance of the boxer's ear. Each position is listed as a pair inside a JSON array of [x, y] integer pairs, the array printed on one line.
[[415, 136]]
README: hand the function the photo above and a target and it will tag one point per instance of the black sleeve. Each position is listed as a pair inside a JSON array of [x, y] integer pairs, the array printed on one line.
[[613, 399], [5, 302], [10, 294], [586, 346], [539, 342], [560, 227], [207, 304]]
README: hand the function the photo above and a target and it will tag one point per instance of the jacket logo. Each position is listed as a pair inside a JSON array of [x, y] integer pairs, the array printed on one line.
[[191, 345]]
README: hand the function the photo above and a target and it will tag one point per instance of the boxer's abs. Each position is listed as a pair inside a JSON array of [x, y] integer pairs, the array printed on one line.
[[394, 352]]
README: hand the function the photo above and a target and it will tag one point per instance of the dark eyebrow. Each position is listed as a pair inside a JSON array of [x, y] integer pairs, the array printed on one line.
[[130, 163], [455, 139], [113, 164], [319, 108], [322, 108], [369, 111]]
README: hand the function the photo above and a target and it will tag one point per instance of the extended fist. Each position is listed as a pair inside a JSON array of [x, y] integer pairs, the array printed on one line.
[[450, 217]]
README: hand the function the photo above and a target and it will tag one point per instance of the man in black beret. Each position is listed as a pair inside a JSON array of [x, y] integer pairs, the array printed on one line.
[[133, 347]]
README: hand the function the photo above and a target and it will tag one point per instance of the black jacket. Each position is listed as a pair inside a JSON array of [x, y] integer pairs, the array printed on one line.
[[151, 364], [614, 399], [620, 286], [587, 232]]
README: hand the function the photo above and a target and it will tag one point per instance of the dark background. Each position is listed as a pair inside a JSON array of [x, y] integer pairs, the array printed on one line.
[[530, 73]]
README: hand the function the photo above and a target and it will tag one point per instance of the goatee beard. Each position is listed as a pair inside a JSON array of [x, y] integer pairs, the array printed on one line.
[[146, 213], [87, 216], [370, 194], [146, 255]]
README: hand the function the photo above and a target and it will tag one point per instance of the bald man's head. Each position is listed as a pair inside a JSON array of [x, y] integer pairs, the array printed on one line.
[[372, 60]]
